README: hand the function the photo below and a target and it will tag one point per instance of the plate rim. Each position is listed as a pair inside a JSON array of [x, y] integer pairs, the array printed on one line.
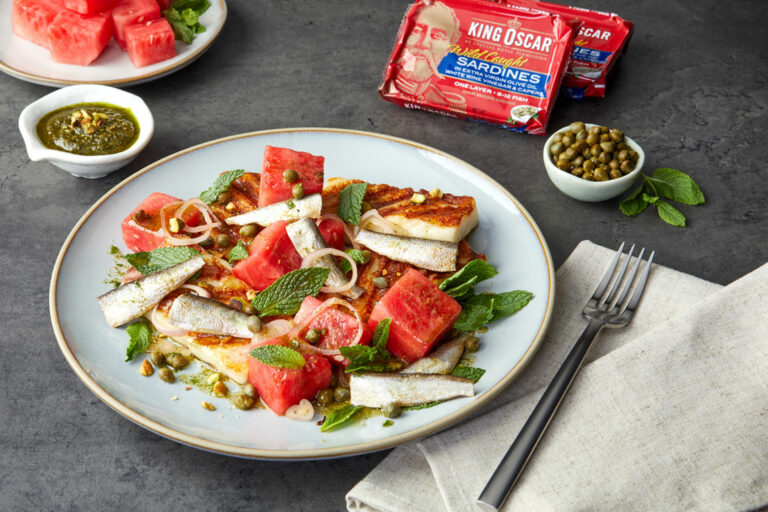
[[304, 454], [124, 82]]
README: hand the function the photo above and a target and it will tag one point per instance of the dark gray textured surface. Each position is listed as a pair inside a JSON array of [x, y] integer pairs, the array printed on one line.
[[693, 91]]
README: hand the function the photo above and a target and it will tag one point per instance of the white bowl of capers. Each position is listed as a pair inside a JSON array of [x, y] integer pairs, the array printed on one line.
[[592, 163]]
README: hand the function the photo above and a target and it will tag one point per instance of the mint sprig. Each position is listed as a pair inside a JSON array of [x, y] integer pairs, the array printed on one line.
[[468, 372], [381, 336], [284, 296], [459, 284], [222, 183], [278, 356], [339, 417], [183, 16], [351, 203], [237, 253], [140, 337], [667, 183], [357, 255], [160, 258], [478, 310]]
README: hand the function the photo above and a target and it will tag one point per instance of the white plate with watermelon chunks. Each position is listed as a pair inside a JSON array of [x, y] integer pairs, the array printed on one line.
[[506, 234], [123, 42]]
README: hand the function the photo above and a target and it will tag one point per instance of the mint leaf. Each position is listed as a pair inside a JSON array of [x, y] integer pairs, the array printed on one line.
[[222, 183], [677, 186], [338, 417], [160, 258], [180, 29], [284, 296], [278, 356], [365, 358], [355, 254], [380, 337], [462, 290], [422, 406], [475, 314], [183, 16], [468, 372], [199, 6], [140, 338], [635, 204], [510, 302], [237, 253], [475, 271], [351, 203], [189, 17], [670, 214]]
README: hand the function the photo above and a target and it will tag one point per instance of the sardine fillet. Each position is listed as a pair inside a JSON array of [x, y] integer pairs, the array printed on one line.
[[131, 300], [442, 360], [208, 316], [434, 255], [292, 209], [380, 389]]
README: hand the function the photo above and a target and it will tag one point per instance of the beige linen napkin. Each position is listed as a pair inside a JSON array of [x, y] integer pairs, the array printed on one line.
[[669, 413]]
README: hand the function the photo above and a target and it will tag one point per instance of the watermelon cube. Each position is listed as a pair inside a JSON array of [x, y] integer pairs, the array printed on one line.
[[271, 255], [129, 12], [281, 388], [340, 327], [76, 38], [88, 6], [146, 235], [150, 42], [30, 20], [333, 232], [421, 315], [273, 188]]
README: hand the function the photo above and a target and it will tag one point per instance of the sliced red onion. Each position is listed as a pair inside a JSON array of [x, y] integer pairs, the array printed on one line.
[[181, 241], [310, 258], [303, 411], [322, 307], [202, 292], [374, 217]]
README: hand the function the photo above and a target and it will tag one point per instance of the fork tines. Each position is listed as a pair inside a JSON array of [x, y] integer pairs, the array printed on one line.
[[615, 280]]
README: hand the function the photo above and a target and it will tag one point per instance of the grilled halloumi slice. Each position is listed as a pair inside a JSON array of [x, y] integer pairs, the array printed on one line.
[[443, 217]]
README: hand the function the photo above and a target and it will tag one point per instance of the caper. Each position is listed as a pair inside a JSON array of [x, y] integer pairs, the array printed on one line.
[[391, 410], [595, 150], [324, 396], [249, 390], [381, 282], [595, 130], [366, 256], [166, 375], [600, 175], [557, 148], [557, 138], [586, 153], [176, 360], [295, 344], [604, 157], [580, 145], [592, 139], [298, 191], [627, 166], [615, 173], [248, 230], [222, 241], [616, 135], [313, 336], [587, 176], [248, 309], [588, 165], [243, 401], [471, 344], [254, 324], [581, 135], [634, 155], [576, 162], [623, 155], [576, 126], [604, 129], [564, 165], [140, 216], [622, 145], [607, 147], [577, 171], [614, 164], [290, 176], [570, 153], [604, 167], [604, 137], [568, 139], [207, 242], [341, 394], [158, 358], [223, 197]]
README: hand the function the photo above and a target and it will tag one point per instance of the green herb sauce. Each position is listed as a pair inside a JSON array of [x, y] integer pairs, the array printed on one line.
[[89, 129]]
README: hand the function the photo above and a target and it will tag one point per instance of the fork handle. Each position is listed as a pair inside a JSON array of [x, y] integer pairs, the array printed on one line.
[[511, 466]]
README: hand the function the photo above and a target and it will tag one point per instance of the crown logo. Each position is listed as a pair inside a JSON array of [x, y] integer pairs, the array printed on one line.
[[514, 23]]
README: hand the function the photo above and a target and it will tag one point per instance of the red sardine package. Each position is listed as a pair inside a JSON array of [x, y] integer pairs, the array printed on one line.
[[601, 40], [480, 60]]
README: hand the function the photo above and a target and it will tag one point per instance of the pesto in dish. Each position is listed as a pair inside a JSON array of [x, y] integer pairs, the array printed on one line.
[[89, 129]]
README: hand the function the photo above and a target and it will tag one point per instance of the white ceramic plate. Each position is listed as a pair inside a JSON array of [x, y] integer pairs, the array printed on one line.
[[27, 61], [506, 234]]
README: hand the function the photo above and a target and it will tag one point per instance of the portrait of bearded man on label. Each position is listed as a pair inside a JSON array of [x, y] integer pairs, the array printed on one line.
[[435, 28]]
